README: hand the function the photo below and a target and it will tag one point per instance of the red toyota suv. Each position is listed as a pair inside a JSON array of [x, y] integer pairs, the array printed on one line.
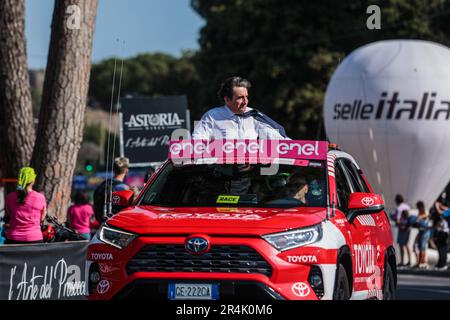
[[242, 219]]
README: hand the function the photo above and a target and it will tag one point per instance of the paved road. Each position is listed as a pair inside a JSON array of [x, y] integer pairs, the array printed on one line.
[[419, 287]]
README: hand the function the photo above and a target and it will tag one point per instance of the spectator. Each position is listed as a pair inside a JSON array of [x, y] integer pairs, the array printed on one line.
[[120, 168], [80, 213], [404, 230], [401, 207], [421, 244], [441, 233], [25, 210], [442, 209]]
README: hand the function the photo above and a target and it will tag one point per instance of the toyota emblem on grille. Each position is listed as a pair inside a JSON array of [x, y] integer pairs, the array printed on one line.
[[197, 245]]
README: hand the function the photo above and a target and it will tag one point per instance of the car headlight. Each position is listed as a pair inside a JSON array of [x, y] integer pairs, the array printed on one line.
[[295, 238], [116, 238]]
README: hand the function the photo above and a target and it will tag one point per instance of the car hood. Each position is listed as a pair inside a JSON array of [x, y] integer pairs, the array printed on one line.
[[214, 220]]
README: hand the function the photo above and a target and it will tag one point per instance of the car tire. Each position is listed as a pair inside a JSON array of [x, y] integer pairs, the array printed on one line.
[[388, 284], [341, 288]]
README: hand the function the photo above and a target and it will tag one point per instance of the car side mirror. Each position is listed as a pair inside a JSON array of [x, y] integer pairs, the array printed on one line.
[[360, 203], [121, 199]]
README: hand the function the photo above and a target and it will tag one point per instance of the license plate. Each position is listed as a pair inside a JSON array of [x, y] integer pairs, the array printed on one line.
[[193, 291]]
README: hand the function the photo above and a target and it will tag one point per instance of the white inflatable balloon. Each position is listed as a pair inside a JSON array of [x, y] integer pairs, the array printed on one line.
[[388, 104]]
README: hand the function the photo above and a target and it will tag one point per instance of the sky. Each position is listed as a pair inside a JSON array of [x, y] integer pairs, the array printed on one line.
[[124, 28]]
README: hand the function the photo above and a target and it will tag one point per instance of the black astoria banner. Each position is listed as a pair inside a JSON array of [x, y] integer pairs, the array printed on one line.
[[146, 127], [49, 271]]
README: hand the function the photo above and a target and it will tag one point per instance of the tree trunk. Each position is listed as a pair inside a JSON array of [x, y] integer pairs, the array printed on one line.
[[61, 120], [17, 132]]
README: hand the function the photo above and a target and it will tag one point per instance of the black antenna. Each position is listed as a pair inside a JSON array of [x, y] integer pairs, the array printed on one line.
[[114, 139], [328, 206], [106, 208], [333, 208], [337, 125]]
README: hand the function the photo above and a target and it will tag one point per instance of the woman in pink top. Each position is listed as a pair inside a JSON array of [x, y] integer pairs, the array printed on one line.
[[26, 209], [80, 213]]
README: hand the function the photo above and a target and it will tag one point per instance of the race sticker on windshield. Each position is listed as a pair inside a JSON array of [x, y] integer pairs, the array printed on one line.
[[227, 199]]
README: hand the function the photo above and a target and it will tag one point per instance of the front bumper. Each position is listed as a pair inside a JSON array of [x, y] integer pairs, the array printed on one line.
[[153, 289], [289, 277]]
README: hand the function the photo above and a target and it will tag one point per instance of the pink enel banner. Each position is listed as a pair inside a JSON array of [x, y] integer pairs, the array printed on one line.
[[248, 150]]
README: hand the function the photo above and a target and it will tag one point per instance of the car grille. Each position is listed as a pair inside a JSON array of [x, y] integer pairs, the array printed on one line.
[[175, 258]]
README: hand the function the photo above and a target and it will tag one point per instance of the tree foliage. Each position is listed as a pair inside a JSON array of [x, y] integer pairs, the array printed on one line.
[[154, 74], [289, 49]]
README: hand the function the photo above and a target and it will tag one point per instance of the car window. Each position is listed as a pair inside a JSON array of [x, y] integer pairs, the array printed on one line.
[[238, 185], [355, 187], [342, 188], [358, 176], [356, 180]]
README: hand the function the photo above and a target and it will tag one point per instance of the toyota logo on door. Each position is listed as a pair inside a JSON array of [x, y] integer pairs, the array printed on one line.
[[197, 244]]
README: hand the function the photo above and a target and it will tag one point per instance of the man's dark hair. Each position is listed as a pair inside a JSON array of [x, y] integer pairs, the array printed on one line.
[[399, 199], [297, 181], [226, 89], [120, 164]]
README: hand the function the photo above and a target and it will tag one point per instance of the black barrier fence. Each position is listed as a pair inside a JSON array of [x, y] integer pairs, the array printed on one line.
[[49, 271]]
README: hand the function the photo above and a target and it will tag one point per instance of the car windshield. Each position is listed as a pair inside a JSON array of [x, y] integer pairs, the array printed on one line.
[[238, 185]]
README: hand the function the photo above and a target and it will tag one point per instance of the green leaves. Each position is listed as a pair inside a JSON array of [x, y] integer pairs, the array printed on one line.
[[290, 49], [147, 74]]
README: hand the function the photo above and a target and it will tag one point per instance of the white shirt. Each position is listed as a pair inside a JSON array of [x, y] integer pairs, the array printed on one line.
[[403, 206], [222, 123]]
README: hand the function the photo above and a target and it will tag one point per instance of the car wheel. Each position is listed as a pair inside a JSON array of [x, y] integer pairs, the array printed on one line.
[[341, 289], [388, 284]]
